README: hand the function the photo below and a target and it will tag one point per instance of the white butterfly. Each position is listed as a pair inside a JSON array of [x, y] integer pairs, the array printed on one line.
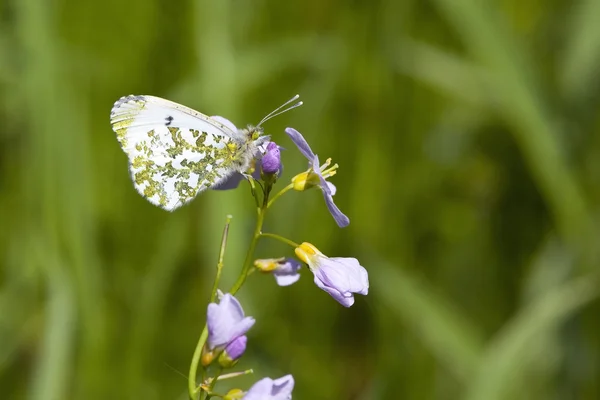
[[175, 152]]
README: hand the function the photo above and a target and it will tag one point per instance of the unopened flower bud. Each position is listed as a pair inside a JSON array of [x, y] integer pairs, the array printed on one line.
[[208, 356], [234, 394], [233, 351], [271, 161]]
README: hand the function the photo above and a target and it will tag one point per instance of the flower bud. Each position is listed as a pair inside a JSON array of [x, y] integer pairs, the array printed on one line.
[[208, 356], [234, 394], [233, 351], [268, 264], [271, 161]]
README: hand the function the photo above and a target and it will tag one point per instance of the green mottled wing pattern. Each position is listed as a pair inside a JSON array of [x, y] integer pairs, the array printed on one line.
[[174, 152]]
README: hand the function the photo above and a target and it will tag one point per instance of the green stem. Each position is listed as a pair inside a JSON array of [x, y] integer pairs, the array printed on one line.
[[257, 231], [250, 254], [280, 238], [281, 192], [212, 384], [221, 256], [193, 391], [194, 365]]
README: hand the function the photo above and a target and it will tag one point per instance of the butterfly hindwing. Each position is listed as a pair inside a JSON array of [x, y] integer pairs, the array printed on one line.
[[174, 152]]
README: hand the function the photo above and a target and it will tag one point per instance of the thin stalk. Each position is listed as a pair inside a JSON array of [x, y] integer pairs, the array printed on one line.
[[192, 390], [221, 256], [257, 232], [279, 194], [280, 238], [250, 254]]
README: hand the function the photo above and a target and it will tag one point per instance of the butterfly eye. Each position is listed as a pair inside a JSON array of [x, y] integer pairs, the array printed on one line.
[[255, 134]]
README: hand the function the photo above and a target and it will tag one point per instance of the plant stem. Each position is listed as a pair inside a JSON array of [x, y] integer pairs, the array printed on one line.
[[198, 351], [192, 391], [221, 256], [280, 238], [250, 254], [257, 232], [281, 192]]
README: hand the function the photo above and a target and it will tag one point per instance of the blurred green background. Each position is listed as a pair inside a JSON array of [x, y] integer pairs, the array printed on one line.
[[467, 134]]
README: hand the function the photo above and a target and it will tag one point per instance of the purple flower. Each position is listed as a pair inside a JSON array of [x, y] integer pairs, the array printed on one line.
[[233, 351], [269, 389], [340, 277], [236, 348], [317, 176], [285, 270], [271, 160], [226, 322]]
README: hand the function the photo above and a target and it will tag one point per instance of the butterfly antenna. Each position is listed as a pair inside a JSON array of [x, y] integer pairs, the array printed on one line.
[[279, 111]]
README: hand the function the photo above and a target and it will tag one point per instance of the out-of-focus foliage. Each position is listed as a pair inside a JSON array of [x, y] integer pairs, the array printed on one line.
[[468, 139]]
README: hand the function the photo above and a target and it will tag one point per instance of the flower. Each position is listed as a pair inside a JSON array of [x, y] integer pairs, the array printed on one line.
[[340, 277], [233, 351], [285, 270], [226, 322], [269, 389], [317, 176], [271, 160]]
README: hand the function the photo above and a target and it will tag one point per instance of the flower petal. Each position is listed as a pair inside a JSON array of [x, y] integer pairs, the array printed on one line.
[[282, 387], [261, 390], [358, 278], [226, 321], [332, 188], [237, 347], [269, 389], [287, 272], [341, 278], [300, 142], [346, 301], [340, 218]]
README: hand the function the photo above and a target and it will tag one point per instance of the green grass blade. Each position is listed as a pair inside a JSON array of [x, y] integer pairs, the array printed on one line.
[[581, 58], [514, 348], [454, 341]]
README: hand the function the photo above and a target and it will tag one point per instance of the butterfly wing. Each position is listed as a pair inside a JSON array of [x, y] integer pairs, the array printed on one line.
[[174, 152]]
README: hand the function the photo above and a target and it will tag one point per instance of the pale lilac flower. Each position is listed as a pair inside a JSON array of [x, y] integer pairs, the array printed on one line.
[[285, 270], [269, 389], [226, 321], [317, 176], [340, 277], [271, 160]]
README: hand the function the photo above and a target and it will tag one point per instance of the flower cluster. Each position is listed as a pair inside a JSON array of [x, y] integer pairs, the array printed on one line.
[[225, 339], [227, 326]]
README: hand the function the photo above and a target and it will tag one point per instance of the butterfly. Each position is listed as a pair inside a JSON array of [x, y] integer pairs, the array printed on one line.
[[175, 152]]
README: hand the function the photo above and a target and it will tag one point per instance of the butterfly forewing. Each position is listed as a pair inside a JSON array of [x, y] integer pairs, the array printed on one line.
[[174, 152]]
